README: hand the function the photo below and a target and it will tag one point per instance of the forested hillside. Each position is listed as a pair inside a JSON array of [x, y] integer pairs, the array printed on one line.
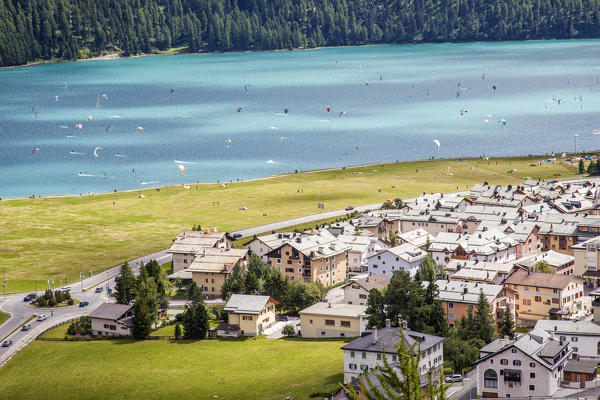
[[69, 29]]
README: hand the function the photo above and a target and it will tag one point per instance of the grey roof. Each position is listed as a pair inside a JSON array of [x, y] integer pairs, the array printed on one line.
[[227, 327], [582, 366], [551, 349], [110, 311], [246, 303], [375, 281], [388, 337], [569, 327], [465, 292]]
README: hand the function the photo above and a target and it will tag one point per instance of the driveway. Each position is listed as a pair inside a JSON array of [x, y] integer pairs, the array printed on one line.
[[274, 332]]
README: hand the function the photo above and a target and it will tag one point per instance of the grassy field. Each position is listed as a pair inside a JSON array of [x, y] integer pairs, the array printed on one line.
[[3, 317], [51, 238], [251, 369]]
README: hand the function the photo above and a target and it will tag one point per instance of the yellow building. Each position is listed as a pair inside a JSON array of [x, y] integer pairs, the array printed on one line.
[[333, 320], [253, 314], [538, 295], [211, 267], [320, 258], [558, 237]]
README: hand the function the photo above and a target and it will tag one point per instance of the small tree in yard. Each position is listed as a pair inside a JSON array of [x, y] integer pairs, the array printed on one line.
[[177, 331], [195, 321], [581, 167], [288, 331]]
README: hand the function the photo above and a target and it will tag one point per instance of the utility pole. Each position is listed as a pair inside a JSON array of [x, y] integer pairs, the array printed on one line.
[[575, 136]]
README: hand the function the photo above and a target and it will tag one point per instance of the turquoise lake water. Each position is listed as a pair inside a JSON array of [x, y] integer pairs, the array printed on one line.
[[394, 100]]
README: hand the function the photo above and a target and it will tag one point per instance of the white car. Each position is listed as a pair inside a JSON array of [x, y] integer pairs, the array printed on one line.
[[42, 317]]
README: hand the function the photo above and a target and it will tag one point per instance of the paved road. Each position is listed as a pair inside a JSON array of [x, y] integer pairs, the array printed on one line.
[[20, 311], [302, 220], [466, 390]]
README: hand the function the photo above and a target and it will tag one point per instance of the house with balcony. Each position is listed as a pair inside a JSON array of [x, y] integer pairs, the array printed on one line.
[[583, 336], [531, 365], [188, 244], [366, 353], [211, 267], [319, 257], [544, 296], [405, 257], [262, 245], [488, 246], [587, 260], [250, 313]]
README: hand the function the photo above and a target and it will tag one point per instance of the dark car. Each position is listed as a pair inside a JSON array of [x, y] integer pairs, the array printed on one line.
[[26, 327], [281, 317], [84, 304], [6, 343], [99, 289], [29, 297], [236, 236], [349, 208]]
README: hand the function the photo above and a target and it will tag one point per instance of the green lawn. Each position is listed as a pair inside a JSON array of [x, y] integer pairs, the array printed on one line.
[[52, 238], [3, 317], [251, 369]]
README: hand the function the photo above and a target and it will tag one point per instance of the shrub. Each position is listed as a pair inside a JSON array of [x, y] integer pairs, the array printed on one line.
[[288, 330], [177, 331], [82, 326]]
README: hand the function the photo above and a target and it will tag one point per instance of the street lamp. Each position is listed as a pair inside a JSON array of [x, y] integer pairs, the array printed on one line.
[[575, 136]]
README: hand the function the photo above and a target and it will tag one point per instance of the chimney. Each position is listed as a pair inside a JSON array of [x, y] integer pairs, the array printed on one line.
[[551, 335], [329, 305], [388, 323], [374, 335]]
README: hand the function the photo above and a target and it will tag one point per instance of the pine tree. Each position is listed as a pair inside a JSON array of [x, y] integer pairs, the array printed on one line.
[[581, 167], [142, 320], [437, 319], [507, 326], [591, 168], [177, 331], [484, 322], [125, 287], [375, 309], [195, 321]]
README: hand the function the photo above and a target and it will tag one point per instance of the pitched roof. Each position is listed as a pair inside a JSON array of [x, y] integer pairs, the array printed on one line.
[[539, 279], [388, 337], [465, 292], [110, 311], [246, 303], [375, 281], [582, 366]]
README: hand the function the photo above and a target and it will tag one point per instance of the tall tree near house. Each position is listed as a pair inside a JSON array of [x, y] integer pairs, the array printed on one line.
[[142, 320], [376, 309], [235, 282], [581, 166], [591, 168], [276, 286], [437, 319], [252, 283], [193, 293], [146, 293], [125, 287], [466, 325], [484, 322], [391, 386], [507, 326], [430, 270], [195, 321]]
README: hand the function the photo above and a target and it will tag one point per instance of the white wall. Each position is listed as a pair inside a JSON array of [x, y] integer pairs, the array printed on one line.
[[260, 249], [353, 295], [433, 359], [545, 383], [386, 263]]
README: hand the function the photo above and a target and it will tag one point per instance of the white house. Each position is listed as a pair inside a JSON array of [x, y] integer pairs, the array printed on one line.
[[492, 246], [261, 245], [582, 336], [357, 291], [528, 366], [405, 257], [112, 319], [361, 248], [366, 353]]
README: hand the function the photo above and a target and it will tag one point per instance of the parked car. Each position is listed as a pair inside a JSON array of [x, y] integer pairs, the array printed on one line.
[[109, 290], [26, 327], [236, 236], [41, 317], [29, 297], [6, 343], [65, 289], [281, 317], [349, 208], [454, 378], [84, 304], [99, 289]]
